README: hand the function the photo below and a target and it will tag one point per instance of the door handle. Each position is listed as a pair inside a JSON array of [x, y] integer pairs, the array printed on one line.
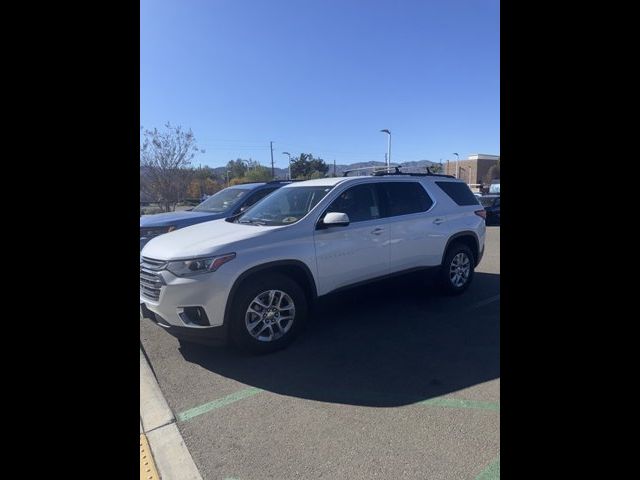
[[377, 231], [438, 221]]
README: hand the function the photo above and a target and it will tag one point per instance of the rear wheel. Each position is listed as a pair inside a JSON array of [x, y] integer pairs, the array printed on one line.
[[457, 269], [268, 313]]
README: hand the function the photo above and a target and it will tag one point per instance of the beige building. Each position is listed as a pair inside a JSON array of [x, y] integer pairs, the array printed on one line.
[[473, 169]]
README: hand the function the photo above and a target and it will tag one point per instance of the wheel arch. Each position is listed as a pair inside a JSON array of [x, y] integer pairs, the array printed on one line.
[[295, 269], [467, 237]]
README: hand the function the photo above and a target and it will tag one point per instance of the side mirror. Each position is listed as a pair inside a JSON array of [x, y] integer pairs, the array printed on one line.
[[334, 219]]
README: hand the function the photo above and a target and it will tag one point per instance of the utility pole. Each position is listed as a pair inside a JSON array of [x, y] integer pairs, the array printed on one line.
[[273, 171], [334, 167]]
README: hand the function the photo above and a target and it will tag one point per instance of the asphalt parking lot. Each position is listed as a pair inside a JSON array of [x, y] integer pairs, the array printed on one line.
[[389, 381]]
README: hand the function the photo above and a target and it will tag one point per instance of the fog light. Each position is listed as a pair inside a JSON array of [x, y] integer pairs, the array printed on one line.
[[194, 316]]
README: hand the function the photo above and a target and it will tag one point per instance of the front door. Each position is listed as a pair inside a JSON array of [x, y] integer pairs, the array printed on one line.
[[357, 252]]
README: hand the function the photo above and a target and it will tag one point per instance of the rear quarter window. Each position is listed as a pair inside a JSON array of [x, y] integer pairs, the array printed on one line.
[[458, 192], [403, 198]]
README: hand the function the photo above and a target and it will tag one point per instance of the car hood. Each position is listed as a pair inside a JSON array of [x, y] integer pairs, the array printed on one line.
[[210, 238], [178, 219]]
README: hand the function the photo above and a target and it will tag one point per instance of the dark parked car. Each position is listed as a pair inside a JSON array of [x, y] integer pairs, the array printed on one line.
[[491, 204], [225, 203]]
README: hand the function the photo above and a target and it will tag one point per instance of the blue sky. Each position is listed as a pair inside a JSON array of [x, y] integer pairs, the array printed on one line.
[[323, 77]]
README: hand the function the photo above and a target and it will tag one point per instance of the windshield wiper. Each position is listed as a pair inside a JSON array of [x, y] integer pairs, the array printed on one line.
[[252, 221]]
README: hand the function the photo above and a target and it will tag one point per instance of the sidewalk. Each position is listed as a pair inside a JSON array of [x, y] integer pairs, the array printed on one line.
[[163, 454], [148, 469]]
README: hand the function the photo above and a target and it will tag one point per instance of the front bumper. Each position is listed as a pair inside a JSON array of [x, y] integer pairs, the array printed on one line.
[[207, 291], [204, 335]]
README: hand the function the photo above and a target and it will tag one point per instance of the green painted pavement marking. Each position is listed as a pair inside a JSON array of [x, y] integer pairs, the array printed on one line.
[[492, 472], [221, 402], [456, 403]]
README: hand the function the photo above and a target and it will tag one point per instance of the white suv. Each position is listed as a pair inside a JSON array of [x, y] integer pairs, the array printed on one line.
[[254, 276]]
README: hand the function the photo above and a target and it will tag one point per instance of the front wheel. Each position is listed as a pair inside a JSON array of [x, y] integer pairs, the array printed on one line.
[[268, 314], [457, 269]]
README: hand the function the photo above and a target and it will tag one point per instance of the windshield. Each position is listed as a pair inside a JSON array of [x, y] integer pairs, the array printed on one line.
[[285, 206], [222, 200], [487, 201]]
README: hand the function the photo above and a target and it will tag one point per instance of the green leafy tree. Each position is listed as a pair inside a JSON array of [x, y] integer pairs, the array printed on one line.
[[206, 172], [258, 174], [305, 165], [237, 168]]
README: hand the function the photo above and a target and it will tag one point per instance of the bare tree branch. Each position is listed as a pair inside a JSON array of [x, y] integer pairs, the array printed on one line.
[[165, 160]]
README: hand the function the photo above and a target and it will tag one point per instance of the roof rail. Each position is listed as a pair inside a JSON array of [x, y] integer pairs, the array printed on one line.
[[381, 167], [411, 174], [384, 170]]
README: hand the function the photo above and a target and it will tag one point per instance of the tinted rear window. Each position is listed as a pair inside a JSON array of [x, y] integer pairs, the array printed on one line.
[[458, 192], [403, 198]]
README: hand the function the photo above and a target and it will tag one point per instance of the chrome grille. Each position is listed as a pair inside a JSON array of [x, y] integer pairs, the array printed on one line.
[[152, 264], [150, 281]]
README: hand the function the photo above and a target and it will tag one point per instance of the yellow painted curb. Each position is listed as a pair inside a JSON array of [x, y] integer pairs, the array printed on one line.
[[147, 466]]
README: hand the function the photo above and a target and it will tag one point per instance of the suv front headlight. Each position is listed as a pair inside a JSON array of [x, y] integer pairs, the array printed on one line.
[[193, 266]]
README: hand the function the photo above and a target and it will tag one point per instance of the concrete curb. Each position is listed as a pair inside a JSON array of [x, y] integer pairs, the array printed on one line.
[[154, 409], [157, 422]]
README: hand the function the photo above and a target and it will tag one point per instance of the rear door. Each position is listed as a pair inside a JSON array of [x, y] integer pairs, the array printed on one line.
[[417, 232], [357, 252]]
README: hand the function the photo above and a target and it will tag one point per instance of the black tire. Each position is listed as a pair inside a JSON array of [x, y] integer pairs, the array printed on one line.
[[446, 281], [247, 292]]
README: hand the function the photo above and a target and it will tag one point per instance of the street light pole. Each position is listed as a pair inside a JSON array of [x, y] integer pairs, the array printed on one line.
[[457, 165], [287, 153], [388, 147]]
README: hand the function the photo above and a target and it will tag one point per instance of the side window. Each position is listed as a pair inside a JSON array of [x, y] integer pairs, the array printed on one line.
[[403, 198], [458, 192], [358, 202]]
